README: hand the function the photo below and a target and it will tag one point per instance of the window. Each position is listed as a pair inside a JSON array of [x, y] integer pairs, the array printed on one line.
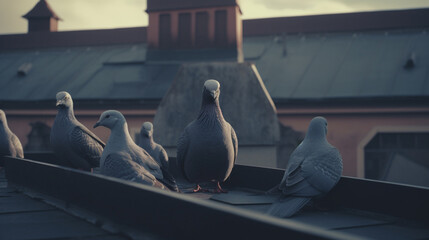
[[202, 29], [164, 30], [185, 30], [398, 157], [221, 25]]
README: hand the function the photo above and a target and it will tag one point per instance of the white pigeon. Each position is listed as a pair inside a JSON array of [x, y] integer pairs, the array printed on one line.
[[314, 168], [207, 148], [71, 141], [9, 142], [122, 158]]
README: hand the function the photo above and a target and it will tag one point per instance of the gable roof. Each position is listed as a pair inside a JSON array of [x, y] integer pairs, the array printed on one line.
[[41, 10]]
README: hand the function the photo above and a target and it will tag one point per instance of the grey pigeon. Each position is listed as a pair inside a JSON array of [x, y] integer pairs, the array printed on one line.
[[122, 158], [314, 168], [154, 149], [9, 142], [71, 141], [157, 152], [207, 148]]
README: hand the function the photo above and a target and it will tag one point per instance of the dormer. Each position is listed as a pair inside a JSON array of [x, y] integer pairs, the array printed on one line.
[[188, 24], [42, 18]]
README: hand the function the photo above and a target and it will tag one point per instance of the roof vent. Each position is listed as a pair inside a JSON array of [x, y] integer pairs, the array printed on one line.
[[24, 69], [411, 62]]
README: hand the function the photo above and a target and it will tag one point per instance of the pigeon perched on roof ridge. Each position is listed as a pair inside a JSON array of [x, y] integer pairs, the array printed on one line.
[[157, 152], [72, 142], [122, 158], [9, 142], [207, 148], [314, 168]]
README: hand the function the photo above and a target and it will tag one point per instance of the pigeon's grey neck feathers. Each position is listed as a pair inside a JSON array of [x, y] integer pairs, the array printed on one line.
[[119, 134], [3, 120], [210, 107], [147, 141], [317, 130], [211, 112], [66, 113]]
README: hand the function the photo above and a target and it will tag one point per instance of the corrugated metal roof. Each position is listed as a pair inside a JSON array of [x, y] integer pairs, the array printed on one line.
[[342, 65], [299, 66]]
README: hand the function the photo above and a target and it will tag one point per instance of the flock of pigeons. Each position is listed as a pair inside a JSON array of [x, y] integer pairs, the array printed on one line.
[[206, 152]]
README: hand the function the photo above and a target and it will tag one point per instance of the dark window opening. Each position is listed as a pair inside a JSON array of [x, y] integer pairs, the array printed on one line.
[[221, 24], [165, 38], [202, 29], [185, 39], [398, 157]]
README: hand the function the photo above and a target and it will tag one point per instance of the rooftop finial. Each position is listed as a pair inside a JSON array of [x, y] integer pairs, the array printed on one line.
[[42, 18]]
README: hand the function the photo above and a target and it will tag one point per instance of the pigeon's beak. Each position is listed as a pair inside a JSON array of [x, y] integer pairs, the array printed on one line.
[[97, 124], [213, 94], [59, 103]]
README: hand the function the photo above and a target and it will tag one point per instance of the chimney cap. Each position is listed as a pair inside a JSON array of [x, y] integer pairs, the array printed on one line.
[[41, 10], [166, 5]]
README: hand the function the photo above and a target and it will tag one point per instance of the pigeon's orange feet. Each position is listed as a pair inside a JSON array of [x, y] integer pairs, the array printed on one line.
[[219, 189]]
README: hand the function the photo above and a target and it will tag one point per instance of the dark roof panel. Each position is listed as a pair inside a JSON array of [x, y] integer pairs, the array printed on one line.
[[165, 5], [41, 10], [396, 19]]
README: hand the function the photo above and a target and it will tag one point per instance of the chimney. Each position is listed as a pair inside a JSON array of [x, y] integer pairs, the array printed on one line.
[[193, 24], [42, 18]]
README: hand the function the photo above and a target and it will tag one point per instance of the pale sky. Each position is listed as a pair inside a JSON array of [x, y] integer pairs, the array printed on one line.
[[102, 14]]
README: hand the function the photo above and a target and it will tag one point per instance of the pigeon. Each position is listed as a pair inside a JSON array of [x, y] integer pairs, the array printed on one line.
[[71, 141], [124, 159], [157, 152], [314, 168], [207, 148], [154, 149], [9, 142]]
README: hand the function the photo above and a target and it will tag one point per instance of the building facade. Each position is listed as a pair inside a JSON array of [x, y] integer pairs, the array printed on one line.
[[367, 73]]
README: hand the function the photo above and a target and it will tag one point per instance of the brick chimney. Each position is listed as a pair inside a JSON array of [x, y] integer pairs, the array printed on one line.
[[190, 24], [42, 18]]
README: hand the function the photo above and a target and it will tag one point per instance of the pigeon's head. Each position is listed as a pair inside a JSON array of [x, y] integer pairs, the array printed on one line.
[[318, 128], [211, 89], [147, 129], [110, 118], [64, 100]]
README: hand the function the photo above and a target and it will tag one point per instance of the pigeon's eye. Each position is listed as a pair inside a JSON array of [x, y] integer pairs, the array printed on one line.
[[107, 116]]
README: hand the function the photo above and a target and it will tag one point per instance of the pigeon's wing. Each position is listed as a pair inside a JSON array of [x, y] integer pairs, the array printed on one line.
[[234, 142], [84, 145], [287, 206], [293, 173], [163, 157], [182, 149], [123, 167], [92, 135], [17, 146], [150, 163], [324, 173]]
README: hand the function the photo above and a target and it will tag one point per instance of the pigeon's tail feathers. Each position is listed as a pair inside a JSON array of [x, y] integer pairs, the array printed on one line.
[[169, 180], [288, 206]]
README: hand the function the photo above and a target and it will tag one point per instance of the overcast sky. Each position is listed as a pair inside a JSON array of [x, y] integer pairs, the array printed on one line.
[[99, 14]]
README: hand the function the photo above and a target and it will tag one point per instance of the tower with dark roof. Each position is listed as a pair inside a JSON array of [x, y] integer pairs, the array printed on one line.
[[42, 18]]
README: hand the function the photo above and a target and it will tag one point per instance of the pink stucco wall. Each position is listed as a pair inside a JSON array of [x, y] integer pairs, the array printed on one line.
[[347, 128]]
